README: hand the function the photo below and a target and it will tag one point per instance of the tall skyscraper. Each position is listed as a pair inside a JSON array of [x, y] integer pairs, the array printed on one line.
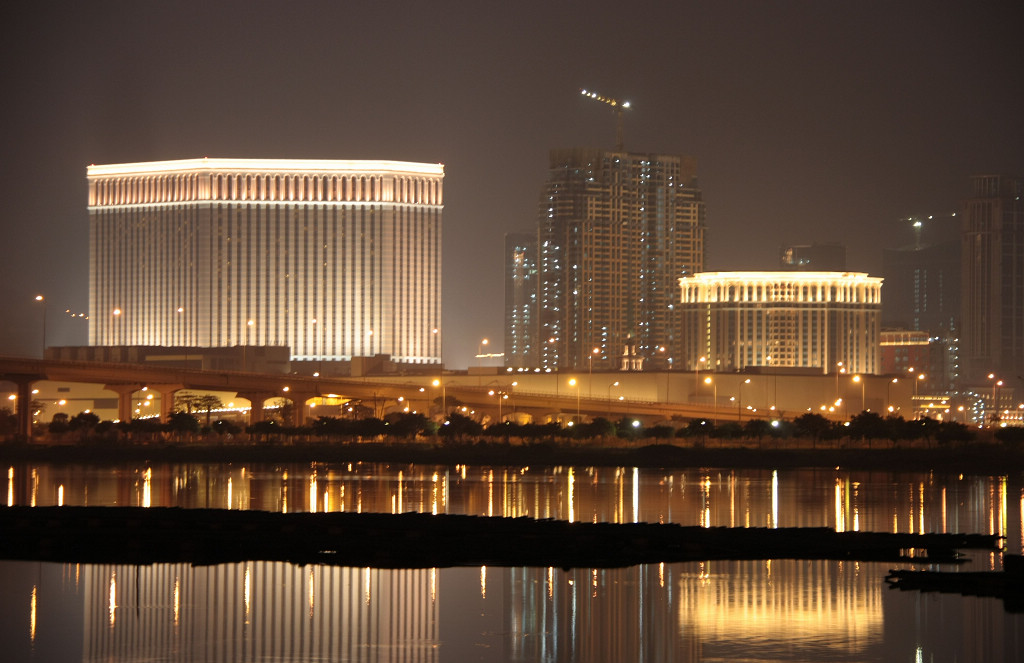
[[922, 294], [520, 300], [335, 259], [617, 230], [992, 338]]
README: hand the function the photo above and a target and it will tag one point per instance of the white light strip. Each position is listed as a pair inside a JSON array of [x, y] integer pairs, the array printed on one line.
[[291, 166], [267, 203]]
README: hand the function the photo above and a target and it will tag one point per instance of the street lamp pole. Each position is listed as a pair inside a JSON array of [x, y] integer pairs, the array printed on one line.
[[613, 384], [739, 400], [573, 382], [714, 405], [42, 300]]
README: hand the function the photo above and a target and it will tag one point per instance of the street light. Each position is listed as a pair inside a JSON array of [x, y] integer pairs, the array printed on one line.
[[857, 378], [613, 384], [590, 378], [42, 300], [714, 416], [888, 393], [739, 400], [574, 383], [444, 397], [696, 377]]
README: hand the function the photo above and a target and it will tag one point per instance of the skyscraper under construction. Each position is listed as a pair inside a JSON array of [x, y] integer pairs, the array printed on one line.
[[617, 230]]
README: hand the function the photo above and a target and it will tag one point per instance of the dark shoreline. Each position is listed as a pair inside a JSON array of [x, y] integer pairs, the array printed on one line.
[[974, 459]]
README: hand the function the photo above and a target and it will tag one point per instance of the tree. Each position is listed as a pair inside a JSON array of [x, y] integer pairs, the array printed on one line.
[[84, 421], [191, 402], [458, 425], [867, 426], [814, 426], [182, 422], [757, 429]]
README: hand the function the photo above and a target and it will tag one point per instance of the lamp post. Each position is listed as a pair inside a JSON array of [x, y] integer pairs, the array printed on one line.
[[739, 400], [444, 397], [888, 393], [858, 378], [714, 405], [117, 326], [590, 376], [613, 384], [575, 383], [480, 351], [42, 300], [696, 376]]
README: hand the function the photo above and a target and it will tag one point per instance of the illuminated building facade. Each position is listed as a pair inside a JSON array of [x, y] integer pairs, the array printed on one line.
[[520, 300], [735, 320], [334, 259], [992, 338], [616, 231]]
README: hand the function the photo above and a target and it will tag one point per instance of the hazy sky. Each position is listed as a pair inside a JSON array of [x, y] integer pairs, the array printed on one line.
[[810, 121]]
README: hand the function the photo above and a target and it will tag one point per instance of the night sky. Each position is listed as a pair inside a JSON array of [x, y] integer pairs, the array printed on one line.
[[810, 121]]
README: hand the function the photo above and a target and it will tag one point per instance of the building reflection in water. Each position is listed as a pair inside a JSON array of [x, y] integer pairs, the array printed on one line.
[[786, 610]]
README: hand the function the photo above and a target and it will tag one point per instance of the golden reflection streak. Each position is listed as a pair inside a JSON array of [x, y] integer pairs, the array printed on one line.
[[490, 493], [433, 585], [147, 487], [433, 494], [571, 479], [944, 524], [400, 494], [60, 495], [32, 616], [732, 500], [366, 574], [35, 485], [177, 598], [229, 493], [483, 582], [313, 493], [10, 486], [920, 517], [550, 582], [840, 520], [246, 590], [312, 594], [661, 574], [1022, 519], [705, 494], [112, 599], [1003, 525], [775, 499], [856, 506], [327, 500], [636, 495], [284, 492]]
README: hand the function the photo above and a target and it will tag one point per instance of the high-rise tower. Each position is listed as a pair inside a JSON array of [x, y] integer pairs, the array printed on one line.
[[617, 231], [520, 300], [335, 259], [992, 338]]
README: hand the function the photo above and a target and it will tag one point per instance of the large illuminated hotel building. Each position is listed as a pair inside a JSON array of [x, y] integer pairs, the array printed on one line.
[[334, 259], [616, 231], [828, 321]]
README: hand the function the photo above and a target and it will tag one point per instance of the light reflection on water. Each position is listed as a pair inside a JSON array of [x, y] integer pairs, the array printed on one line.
[[756, 610]]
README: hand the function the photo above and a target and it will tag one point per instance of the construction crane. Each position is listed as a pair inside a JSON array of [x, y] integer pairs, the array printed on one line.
[[618, 107]]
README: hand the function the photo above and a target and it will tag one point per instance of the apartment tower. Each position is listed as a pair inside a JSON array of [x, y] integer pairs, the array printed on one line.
[[617, 230]]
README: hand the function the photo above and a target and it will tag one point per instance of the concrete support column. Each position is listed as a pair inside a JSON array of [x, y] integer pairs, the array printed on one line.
[[124, 399], [256, 401], [24, 405], [299, 408], [166, 392]]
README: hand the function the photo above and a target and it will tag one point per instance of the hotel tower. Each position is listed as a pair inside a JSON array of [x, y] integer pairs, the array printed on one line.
[[334, 259]]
